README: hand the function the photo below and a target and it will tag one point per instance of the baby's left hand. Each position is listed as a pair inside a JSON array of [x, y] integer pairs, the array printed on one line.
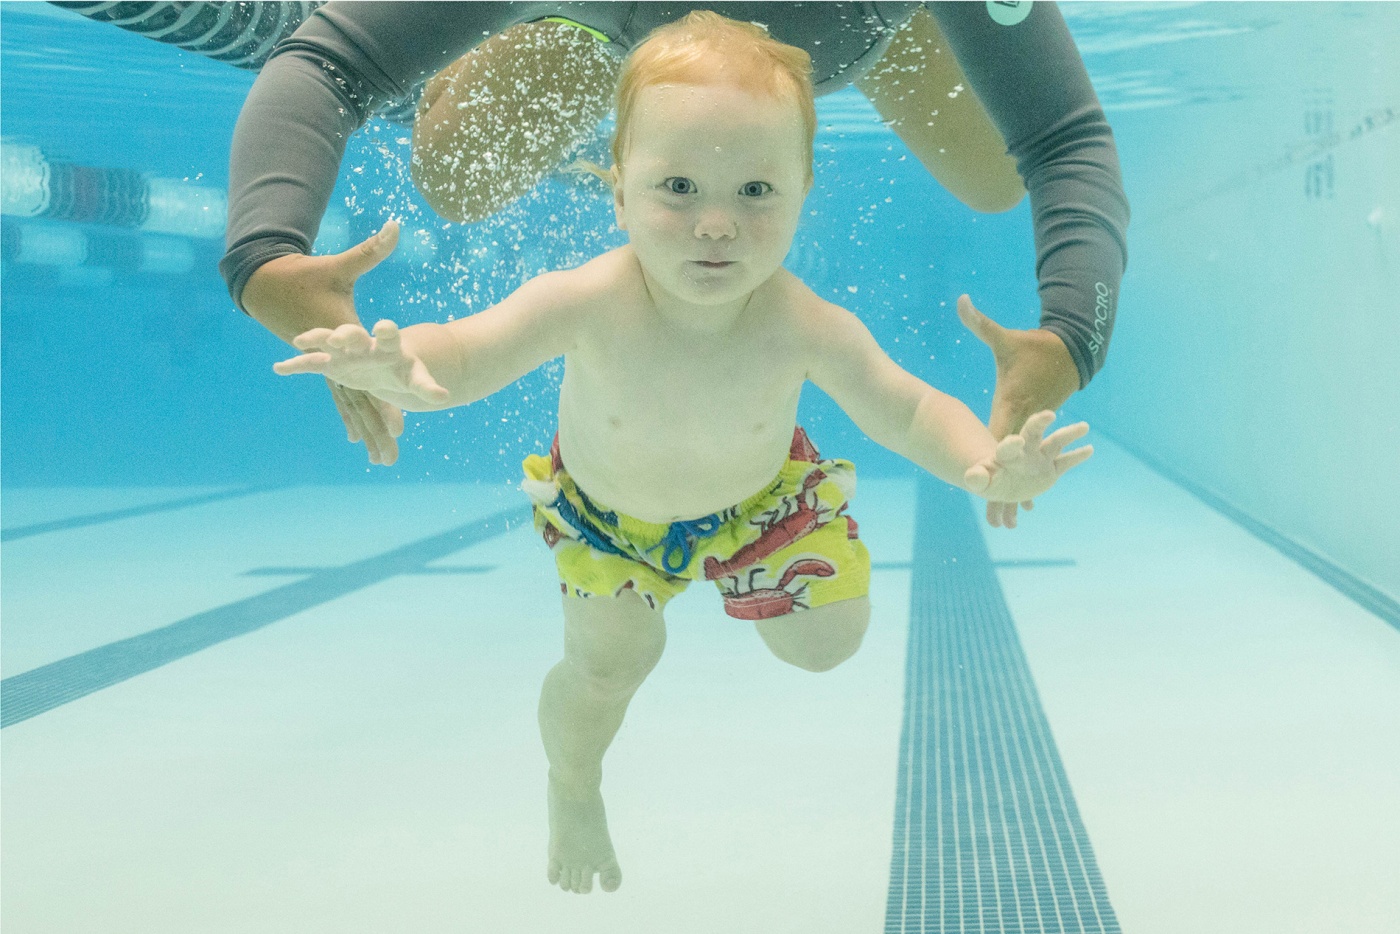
[[1026, 464]]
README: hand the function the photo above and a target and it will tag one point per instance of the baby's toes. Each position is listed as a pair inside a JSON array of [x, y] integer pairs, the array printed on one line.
[[610, 878], [555, 871]]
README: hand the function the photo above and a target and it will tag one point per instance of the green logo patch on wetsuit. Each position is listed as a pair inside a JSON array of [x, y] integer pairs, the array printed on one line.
[[588, 29], [1008, 12]]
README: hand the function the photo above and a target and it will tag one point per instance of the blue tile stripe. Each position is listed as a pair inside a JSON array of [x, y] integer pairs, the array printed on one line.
[[97, 518], [987, 836], [39, 690]]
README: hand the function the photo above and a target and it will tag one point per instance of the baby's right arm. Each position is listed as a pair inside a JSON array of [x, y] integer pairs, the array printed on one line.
[[426, 367], [936, 431]]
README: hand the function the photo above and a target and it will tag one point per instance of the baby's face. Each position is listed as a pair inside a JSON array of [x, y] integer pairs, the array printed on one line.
[[712, 188]]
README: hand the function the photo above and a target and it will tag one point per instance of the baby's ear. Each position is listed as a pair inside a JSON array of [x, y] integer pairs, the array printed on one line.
[[618, 208]]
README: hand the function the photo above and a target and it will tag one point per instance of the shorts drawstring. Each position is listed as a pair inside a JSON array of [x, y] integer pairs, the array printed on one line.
[[679, 536]]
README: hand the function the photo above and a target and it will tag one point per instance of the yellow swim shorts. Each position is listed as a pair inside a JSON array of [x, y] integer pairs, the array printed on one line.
[[789, 547]]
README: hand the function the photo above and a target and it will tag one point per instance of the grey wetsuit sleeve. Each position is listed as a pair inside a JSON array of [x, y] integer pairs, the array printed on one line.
[[317, 88], [1033, 83]]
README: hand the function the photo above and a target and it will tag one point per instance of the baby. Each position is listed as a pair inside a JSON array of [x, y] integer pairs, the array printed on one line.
[[677, 456]]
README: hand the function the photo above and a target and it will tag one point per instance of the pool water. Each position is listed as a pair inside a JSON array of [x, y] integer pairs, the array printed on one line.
[[252, 683]]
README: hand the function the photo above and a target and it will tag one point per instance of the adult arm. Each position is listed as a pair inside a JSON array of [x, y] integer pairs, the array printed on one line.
[[316, 90], [1033, 83], [318, 87]]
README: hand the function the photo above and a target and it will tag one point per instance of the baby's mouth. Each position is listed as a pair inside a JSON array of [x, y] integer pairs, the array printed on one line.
[[713, 265]]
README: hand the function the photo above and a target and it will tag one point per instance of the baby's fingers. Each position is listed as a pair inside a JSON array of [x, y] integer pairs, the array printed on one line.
[[1035, 426], [306, 363], [1010, 449], [349, 337], [977, 479], [1052, 445], [313, 339], [386, 335], [1073, 459]]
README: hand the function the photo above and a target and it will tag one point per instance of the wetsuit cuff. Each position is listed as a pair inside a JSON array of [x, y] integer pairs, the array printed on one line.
[[239, 264], [1080, 356]]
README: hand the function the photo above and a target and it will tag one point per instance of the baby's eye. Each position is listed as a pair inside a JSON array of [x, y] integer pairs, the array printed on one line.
[[679, 186], [755, 189]]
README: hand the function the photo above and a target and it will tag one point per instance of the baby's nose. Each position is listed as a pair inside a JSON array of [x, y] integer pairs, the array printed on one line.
[[716, 225]]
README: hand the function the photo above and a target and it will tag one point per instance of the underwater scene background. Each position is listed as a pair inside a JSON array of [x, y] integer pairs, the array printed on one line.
[[253, 683]]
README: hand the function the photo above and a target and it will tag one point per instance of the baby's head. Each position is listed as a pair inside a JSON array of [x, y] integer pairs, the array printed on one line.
[[705, 48], [712, 155]]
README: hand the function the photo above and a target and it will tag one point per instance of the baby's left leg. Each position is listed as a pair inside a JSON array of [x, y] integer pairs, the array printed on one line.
[[818, 639]]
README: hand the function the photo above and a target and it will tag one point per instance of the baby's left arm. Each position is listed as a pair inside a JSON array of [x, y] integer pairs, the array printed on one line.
[[901, 412]]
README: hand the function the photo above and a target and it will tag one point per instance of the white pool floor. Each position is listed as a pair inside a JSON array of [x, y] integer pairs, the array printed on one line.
[[1229, 724]]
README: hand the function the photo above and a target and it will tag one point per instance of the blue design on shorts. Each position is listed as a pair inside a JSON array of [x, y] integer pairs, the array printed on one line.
[[585, 529], [679, 536], [609, 517]]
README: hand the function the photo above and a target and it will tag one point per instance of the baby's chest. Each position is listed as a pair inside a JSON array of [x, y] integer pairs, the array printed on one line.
[[649, 389]]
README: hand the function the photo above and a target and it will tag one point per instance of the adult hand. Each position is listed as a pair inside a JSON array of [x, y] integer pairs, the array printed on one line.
[[1034, 373], [295, 293]]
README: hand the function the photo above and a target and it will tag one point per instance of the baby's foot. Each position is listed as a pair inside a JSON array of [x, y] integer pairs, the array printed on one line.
[[579, 844]]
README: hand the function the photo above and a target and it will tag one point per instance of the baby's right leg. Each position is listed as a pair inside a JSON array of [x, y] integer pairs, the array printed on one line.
[[611, 644]]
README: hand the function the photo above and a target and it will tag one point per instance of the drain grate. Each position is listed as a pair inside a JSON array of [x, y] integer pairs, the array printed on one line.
[[987, 837]]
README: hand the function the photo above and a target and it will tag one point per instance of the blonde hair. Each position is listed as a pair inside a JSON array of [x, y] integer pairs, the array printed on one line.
[[683, 52]]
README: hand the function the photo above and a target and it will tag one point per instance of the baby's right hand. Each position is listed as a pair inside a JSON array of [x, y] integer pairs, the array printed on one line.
[[378, 365], [1027, 464]]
